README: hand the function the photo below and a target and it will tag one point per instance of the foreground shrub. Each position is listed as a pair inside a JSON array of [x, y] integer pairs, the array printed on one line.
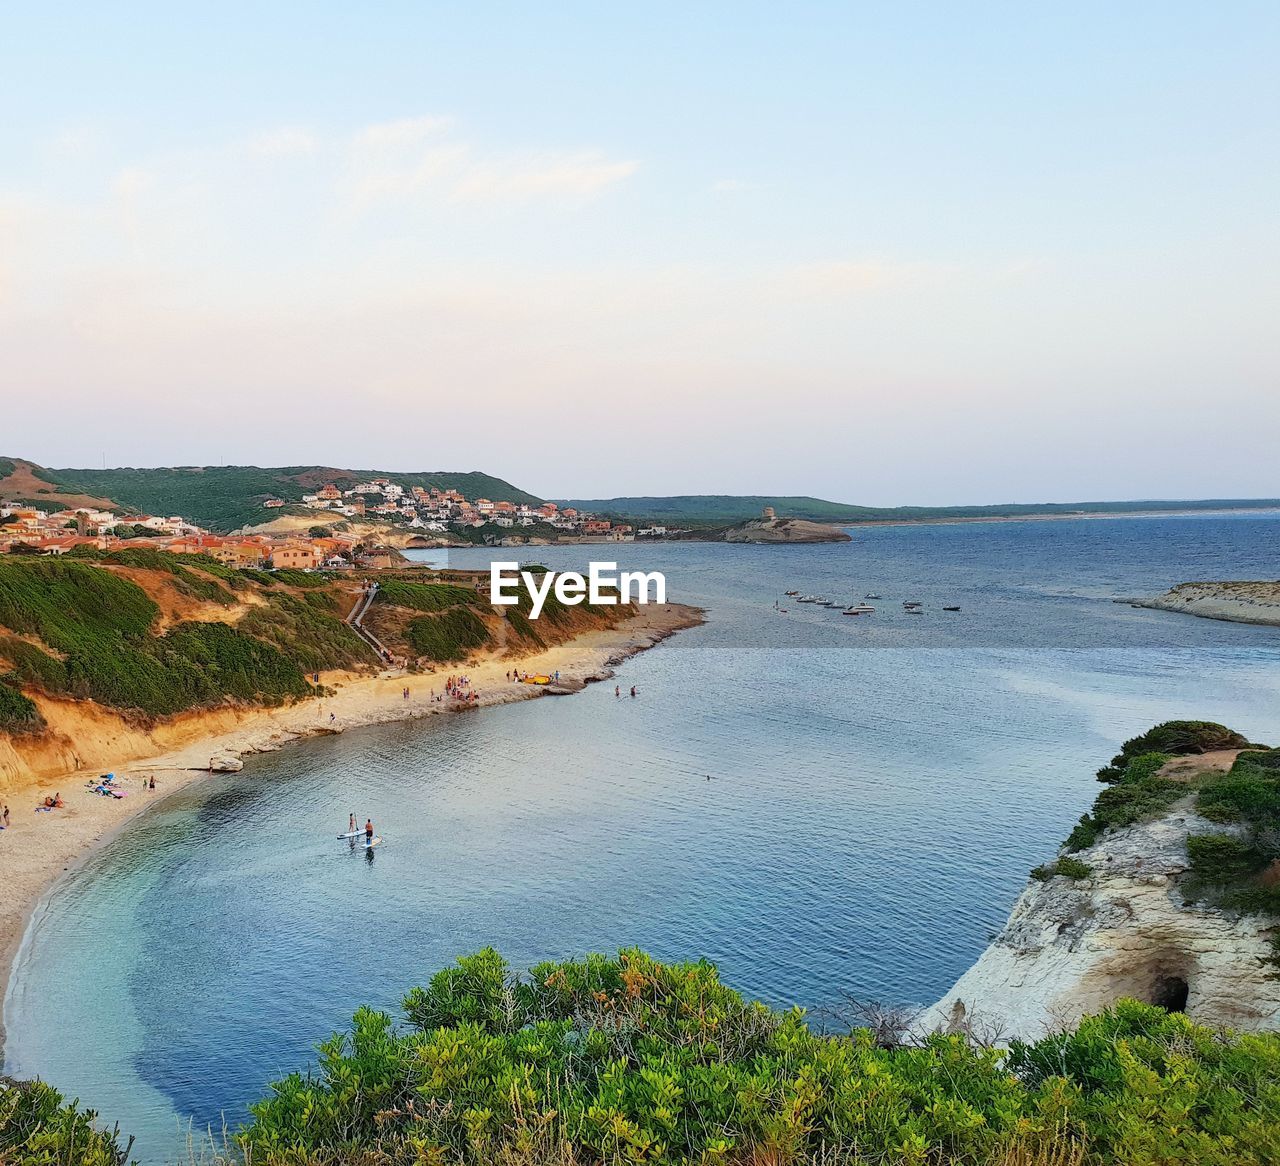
[[629, 1060], [38, 1129]]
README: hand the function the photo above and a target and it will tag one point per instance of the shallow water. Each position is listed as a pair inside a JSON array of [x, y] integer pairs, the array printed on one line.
[[879, 789]]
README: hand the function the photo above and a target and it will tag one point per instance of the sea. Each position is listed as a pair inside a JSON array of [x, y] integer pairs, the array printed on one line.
[[831, 809]]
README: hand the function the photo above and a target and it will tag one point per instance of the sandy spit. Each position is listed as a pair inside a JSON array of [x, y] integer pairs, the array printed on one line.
[[1238, 602]]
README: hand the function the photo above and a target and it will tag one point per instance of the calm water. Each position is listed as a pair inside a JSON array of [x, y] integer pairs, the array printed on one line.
[[881, 787]]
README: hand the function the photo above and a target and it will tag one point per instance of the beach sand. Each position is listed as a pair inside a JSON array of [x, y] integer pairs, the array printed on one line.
[[39, 847]]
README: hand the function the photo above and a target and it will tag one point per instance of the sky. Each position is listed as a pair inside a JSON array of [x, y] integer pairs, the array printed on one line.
[[881, 253]]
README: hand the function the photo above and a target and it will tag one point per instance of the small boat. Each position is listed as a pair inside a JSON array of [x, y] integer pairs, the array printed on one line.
[[821, 599], [915, 611], [952, 607], [859, 609], [873, 597], [830, 603], [791, 593], [807, 599]]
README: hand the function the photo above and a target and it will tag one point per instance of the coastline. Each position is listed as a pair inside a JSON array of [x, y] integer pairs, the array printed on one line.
[[1248, 602], [53, 845]]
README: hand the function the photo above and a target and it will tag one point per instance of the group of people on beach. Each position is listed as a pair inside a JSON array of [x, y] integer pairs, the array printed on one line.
[[459, 687]]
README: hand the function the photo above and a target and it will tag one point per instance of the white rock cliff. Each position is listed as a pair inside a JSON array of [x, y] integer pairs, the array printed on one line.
[[1074, 947]]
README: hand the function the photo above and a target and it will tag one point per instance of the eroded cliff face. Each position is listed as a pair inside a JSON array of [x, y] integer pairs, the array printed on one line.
[[785, 530], [1074, 946]]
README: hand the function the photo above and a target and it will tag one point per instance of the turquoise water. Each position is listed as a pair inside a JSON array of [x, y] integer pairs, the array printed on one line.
[[880, 788]]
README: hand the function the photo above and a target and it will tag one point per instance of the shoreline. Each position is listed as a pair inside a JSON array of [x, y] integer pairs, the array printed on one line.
[[56, 844], [1245, 602]]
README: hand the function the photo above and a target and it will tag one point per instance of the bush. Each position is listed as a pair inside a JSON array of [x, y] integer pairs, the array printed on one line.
[[18, 713], [1177, 738], [307, 630], [1222, 858], [629, 1060], [1066, 866], [38, 1129], [447, 637], [428, 597]]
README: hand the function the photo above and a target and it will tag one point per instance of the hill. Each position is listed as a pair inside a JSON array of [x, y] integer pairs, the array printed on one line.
[[219, 497], [699, 510]]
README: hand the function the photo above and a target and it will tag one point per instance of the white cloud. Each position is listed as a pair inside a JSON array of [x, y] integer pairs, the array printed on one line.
[[286, 142], [578, 176], [405, 131]]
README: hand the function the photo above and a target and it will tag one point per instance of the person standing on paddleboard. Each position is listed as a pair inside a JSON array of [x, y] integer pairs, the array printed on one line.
[[368, 832], [351, 825]]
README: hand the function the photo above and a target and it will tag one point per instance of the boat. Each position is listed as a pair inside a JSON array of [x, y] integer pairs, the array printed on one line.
[[830, 603], [859, 609], [915, 611], [952, 607], [873, 597], [791, 593], [807, 599]]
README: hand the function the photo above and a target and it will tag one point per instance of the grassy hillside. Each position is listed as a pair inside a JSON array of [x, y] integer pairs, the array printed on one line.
[[151, 635], [698, 510], [225, 497]]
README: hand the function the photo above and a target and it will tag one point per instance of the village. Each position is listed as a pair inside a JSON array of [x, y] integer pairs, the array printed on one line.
[[428, 516]]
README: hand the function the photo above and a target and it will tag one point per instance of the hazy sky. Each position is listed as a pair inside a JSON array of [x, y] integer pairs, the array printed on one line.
[[883, 253]]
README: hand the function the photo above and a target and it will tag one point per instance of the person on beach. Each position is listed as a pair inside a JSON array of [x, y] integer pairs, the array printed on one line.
[[152, 783], [4, 822], [617, 690], [57, 801], [332, 717], [633, 690]]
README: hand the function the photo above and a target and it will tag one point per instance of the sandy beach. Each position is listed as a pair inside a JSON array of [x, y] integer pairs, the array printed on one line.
[[38, 848]]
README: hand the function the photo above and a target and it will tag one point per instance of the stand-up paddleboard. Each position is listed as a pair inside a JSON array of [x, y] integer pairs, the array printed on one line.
[[352, 834], [375, 842]]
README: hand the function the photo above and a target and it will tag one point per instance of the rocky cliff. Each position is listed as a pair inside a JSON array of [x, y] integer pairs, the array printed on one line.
[[1072, 947], [1140, 912], [1239, 602], [785, 530]]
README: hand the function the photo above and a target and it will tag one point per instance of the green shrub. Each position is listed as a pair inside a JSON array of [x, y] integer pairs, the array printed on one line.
[[1176, 738], [1066, 866], [301, 579], [428, 597], [629, 1061], [1222, 858], [18, 713], [451, 635], [37, 1128], [308, 631], [522, 625]]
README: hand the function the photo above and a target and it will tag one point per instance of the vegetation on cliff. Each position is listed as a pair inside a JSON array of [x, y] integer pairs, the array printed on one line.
[[629, 1060], [39, 1128], [76, 628]]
